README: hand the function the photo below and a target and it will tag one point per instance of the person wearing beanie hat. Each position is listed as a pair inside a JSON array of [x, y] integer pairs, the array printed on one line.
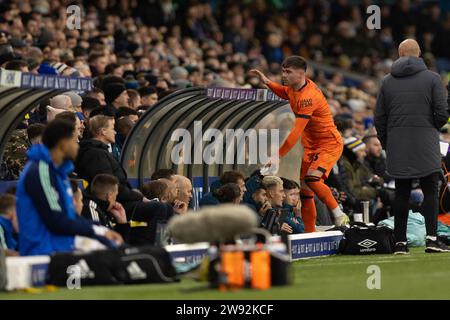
[[256, 196], [116, 96], [357, 173], [355, 145], [75, 99]]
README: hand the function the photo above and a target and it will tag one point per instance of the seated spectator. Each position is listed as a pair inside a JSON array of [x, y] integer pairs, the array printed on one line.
[[129, 113], [95, 158], [275, 196], [171, 194], [344, 124], [123, 127], [58, 104], [88, 105], [149, 97], [116, 96], [358, 175], [46, 215], [114, 69], [155, 190], [100, 205], [227, 177], [75, 99], [98, 94], [256, 195], [374, 158], [184, 186], [17, 65], [228, 193], [8, 225], [166, 191], [163, 173], [72, 117], [293, 204], [135, 99]]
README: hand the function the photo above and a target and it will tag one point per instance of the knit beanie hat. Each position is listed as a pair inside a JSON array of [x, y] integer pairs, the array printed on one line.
[[354, 144], [112, 91]]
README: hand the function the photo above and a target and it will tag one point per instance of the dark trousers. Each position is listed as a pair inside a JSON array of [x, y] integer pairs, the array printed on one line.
[[429, 209]]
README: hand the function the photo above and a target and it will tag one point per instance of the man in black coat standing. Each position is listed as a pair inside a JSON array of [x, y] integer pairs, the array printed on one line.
[[411, 108]]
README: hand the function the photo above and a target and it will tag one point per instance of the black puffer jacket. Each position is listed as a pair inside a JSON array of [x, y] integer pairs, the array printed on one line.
[[411, 108], [94, 158]]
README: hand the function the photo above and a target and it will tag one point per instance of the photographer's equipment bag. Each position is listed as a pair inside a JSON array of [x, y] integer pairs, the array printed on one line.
[[364, 239]]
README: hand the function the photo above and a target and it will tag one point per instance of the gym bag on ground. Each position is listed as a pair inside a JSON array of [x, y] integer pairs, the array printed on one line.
[[364, 239]]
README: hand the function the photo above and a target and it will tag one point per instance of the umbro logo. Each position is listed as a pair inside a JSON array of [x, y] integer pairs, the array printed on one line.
[[367, 243]]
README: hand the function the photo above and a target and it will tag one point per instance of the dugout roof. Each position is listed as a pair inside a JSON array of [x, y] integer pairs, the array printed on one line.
[[149, 145]]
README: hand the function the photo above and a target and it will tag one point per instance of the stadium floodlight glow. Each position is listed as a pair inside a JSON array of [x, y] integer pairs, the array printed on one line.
[[241, 147]]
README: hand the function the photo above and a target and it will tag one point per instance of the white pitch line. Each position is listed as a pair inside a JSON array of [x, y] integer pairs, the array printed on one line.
[[358, 262]]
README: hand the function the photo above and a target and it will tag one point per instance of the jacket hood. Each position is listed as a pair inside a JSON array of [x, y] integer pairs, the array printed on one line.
[[39, 152], [407, 66]]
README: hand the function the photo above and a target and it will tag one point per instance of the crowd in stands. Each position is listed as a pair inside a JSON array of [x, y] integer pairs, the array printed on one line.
[[138, 52]]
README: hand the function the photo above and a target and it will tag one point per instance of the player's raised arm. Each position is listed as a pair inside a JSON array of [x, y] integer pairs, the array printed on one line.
[[276, 88], [294, 135]]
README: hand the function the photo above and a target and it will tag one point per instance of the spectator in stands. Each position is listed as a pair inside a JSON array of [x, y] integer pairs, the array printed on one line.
[[293, 204], [123, 127], [171, 193], [228, 193], [97, 63], [116, 96], [95, 158], [71, 117], [62, 102], [114, 69], [45, 212], [75, 99], [163, 190], [184, 186], [227, 177], [344, 124], [149, 97], [255, 195], [155, 190], [100, 205], [358, 175], [273, 219], [88, 105], [98, 94], [17, 65], [129, 113], [135, 99], [374, 158], [163, 173], [410, 111], [9, 228]]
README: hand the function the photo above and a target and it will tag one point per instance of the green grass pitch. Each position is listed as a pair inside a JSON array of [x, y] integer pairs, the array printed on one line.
[[415, 276]]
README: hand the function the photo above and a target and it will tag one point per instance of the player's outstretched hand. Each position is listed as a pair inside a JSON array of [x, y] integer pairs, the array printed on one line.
[[271, 167], [260, 75]]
